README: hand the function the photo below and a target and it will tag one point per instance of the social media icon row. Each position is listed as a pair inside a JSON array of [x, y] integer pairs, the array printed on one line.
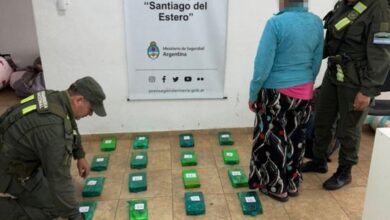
[[152, 79]]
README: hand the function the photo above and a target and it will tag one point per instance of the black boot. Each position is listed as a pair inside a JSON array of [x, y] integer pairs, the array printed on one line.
[[314, 166], [339, 179]]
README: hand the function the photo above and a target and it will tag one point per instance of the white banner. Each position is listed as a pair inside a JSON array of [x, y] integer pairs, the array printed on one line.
[[176, 48]]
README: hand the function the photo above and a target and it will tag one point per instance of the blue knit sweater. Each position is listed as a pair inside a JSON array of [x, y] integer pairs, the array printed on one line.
[[289, 52]]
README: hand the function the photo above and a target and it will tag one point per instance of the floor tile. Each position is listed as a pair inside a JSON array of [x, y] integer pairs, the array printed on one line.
[[117, 166], [364, 166], [122, 146], [314, 204], [352, 205], [158, 142], [158, 160], [310, 181], [105, 210]]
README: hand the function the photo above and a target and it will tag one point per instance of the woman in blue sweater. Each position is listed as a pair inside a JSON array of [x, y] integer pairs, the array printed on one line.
[[286, 65]]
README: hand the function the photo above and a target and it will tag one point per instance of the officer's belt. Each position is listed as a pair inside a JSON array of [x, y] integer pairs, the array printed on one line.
[[344, 59]]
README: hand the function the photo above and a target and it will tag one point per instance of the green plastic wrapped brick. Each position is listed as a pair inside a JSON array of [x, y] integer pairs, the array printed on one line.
[[138, 209], [194, 202], [93, 186], [108, 144], [186, 140], [87, 209], [141, 142], [137, 182], [190, 179], [237, 178], [188, 158], [230, 156], [250, 203], [100, 162], [225, 138], [139, 160]]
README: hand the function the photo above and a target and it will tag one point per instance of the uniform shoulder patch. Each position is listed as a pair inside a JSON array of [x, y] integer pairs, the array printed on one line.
[[382, 38], [43, 105]]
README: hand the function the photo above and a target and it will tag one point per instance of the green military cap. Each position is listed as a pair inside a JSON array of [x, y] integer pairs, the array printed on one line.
[[93, 92]]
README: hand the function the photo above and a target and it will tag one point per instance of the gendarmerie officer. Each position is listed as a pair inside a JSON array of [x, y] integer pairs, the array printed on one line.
[[357, 46], [38, 138]]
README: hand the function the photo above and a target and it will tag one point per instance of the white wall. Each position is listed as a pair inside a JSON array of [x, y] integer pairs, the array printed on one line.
[[89, 39], [18, 36]]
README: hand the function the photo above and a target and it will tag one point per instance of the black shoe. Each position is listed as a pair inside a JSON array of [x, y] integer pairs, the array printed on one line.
[[314, 166], [339, 179]]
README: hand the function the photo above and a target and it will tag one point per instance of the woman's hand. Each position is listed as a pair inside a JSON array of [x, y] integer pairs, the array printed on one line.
[[252, 106]]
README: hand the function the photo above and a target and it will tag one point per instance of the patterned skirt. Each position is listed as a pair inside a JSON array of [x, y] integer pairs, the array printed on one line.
[[278, 142]]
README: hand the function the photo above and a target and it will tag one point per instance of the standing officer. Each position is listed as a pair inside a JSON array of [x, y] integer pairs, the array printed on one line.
[[38, 138], [357, 45]]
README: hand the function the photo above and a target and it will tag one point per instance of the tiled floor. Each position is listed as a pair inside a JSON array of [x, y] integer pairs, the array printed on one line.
[[165, 188]]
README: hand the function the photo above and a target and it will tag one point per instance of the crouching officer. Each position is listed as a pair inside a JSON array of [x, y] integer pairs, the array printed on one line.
[[38, 138], [357, 45]]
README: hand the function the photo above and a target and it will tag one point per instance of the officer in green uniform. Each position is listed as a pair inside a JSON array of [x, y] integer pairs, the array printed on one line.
[[357, 46], [38, 138]]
